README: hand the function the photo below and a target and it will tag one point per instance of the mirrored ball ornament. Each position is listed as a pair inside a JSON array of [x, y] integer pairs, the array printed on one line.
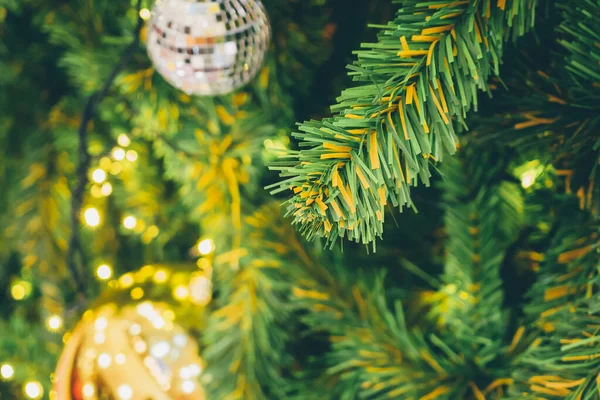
[[208, 47]]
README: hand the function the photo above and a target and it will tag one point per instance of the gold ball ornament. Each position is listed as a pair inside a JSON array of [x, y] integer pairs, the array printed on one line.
[[139, 341], [208, 47]]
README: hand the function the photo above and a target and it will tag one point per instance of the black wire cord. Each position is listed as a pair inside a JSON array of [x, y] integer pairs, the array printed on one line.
[[78, 267]]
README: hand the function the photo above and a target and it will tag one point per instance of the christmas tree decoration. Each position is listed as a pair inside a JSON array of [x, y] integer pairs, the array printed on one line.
[[208, 48], [481, 115], [136, 344]]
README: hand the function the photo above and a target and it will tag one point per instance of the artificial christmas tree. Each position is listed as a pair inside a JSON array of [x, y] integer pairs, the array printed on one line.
[[480, 114]]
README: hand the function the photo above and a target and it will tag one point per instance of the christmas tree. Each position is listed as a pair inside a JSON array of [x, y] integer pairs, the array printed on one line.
[[210, 226]]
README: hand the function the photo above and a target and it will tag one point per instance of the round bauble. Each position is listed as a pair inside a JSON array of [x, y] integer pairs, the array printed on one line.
[[208, 47], [140, 341]]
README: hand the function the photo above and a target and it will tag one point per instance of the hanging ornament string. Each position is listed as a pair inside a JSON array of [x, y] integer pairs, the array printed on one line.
[[77, 268]]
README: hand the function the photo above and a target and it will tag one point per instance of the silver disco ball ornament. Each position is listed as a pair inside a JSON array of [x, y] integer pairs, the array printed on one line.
[[208, 47]]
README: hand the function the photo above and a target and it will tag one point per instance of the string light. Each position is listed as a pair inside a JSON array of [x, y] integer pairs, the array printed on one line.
[[106, 189], [126, 280], [91, 217], [129, 222], [18, 290], [123, 139], [528, 178], [160, 276], [206, 246], [99, 175], [118, 153], [104, 272], [54, 323], [137, 293], [131, 155], [181, 292], [7, 371], [105, 163], [145, 15], [33, 390], [115, 168]]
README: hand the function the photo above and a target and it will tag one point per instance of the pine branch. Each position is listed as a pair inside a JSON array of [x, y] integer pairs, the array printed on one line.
[[418, 79], [581, 32], [247, 335], [373, 353], [78, 267], [545, 118], [562, 362], [483, 216]]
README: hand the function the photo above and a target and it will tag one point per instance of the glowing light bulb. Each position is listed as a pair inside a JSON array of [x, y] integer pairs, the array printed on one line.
[[17, 291], [129, 222], [104, 272], [99, 175], [145, 14], [118, 154], [33, 390], [126, 280], [104, 360], [131, 155], [54, 323], [123, 139], [206, 246], [120, 358], [106, 189], [137, 293], [528, 179], [91, 217], [125, 392], [181, 292], [160, 276], [7, 371]]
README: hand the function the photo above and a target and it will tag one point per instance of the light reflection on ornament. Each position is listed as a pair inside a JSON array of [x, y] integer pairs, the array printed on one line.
[[135, 329], [139, 346], [100, 323], [89, 390], [104, 360], [120, 358], [188, 387], [125, 392], [180, 340], [160, 349], [99, 338]]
